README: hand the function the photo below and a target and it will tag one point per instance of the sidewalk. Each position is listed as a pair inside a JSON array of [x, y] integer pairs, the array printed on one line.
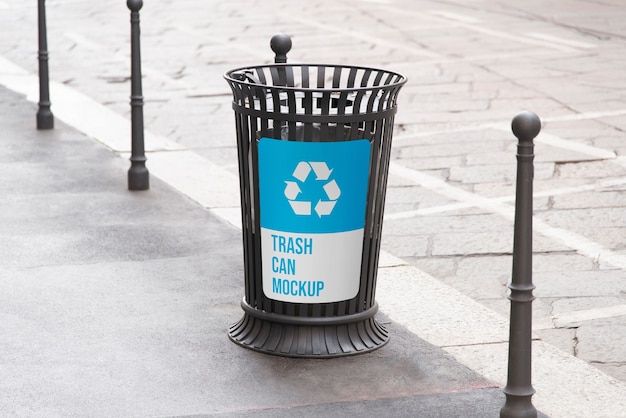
[[116, 303]]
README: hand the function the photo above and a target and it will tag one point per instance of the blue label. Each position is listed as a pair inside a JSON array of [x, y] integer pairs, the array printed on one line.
[[313, 187]]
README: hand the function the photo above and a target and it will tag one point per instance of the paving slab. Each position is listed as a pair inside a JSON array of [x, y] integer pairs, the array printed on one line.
[[116, 303]]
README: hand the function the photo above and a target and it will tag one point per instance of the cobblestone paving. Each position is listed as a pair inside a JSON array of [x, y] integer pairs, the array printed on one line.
[[471, 68]]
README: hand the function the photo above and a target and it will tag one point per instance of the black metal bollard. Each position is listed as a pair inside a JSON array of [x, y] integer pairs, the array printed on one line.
[[138, 176], [519, 389], [45, 119], [280, 44]]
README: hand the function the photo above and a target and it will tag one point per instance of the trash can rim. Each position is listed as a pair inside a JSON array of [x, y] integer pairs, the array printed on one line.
[[400, 82]]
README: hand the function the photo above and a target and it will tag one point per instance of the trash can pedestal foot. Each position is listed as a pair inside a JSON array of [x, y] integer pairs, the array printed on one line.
[[307, 337]]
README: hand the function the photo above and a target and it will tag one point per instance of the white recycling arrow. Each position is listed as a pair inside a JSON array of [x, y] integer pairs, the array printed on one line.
[[301, 208], [302, 171], [292, 190], [324, 208], [332, 190], [321, 170]]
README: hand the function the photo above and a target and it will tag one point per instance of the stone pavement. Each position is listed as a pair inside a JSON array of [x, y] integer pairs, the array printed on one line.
[[471, 68], [117, 304]]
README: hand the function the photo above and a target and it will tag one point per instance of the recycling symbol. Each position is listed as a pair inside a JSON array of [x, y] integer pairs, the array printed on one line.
[[324, 206]]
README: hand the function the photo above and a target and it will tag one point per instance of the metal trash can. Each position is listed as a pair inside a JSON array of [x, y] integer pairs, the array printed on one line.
[[314, 144]]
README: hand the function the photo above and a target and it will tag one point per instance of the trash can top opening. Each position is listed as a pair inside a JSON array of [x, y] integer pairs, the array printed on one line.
[[315, 77]]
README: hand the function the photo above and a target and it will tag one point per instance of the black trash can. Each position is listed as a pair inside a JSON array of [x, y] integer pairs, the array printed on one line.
[[314, 144]]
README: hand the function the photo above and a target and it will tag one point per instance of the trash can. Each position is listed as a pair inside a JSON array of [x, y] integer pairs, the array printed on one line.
[[314, 144]]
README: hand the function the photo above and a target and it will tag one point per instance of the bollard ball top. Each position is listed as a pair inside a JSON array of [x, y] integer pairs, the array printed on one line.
[[134, 5], [280, 43], [526, 126]]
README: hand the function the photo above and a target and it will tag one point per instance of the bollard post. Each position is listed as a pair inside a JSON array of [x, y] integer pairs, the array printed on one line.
[[280, 44], [45, 118], [519, 389], [138, 176]]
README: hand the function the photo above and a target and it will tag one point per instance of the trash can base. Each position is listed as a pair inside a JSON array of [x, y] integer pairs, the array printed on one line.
[[338, 337]]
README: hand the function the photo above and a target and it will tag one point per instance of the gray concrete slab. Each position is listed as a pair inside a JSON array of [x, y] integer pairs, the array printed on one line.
[[116, 303]]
